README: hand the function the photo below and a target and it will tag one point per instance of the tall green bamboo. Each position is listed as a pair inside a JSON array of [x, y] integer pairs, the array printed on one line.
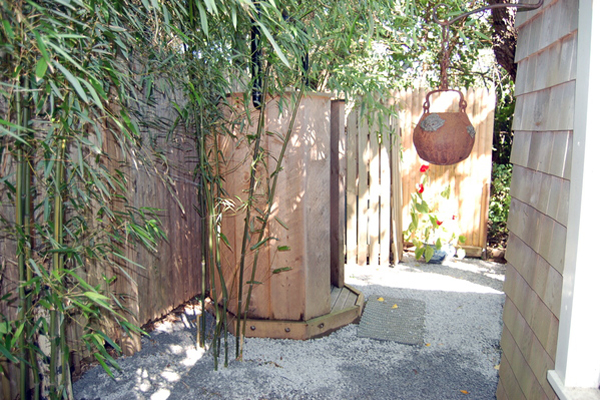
[[256, 155], [57, 341], [23, 207]]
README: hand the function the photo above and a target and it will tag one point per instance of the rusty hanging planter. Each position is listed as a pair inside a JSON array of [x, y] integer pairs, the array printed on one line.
[[444, 138], [447, 138]]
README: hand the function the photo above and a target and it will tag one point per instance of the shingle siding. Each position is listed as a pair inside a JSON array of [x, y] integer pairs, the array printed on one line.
[[541, 157]]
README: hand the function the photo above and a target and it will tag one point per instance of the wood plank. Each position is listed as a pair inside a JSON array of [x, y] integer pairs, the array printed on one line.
[[373, 170], [351, 300], [301, 330], [363, 190], [335, 294], [386, 192], [337, 189], [351, 189], [397, 195], [341, 300]]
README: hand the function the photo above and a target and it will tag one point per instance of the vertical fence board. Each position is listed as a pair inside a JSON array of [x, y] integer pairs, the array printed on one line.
[[337, 189], [396, 155], [363, 206], [374, 193], [351, 189], [386, 192]]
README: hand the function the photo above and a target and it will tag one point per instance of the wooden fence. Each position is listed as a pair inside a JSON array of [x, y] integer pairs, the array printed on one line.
[[373, 202], [169, 277], [469, 180], [383, 170]]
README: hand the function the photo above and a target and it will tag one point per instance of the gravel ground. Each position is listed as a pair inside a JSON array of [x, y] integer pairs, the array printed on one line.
[[459, 360]]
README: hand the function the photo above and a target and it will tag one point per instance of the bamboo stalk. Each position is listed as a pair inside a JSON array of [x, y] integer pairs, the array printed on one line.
[[57, 341], [246, 233], [216, 212], [270, 200], [23, 190]]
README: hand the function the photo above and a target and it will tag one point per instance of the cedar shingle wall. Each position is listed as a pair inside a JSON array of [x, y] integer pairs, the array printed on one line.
[[541, 155]]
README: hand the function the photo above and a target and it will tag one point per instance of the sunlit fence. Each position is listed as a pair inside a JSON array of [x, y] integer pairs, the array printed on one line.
[[383, 171]]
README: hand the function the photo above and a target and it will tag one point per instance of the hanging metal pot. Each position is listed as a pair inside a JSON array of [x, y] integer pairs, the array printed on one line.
[[444, 138]]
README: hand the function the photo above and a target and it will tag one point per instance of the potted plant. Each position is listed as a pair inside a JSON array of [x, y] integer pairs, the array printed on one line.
[[432, 229]]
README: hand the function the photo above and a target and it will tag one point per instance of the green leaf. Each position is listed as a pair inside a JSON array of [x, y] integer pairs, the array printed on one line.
[[9, 31], [446, 192], [257, 245], [41, 68], [17, 334], [276, 47], [211, 6], [224, 239], [6, 352], [73, 81], [279, 270], [100, 359], [428, 253], [41, 46], [483, 36], [419, 252], [280, 222], [203, 19], [462, 239], [464, 39], [283, 248]]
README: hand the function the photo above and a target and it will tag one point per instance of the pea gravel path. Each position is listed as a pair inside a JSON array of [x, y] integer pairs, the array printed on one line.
[[459, 358]]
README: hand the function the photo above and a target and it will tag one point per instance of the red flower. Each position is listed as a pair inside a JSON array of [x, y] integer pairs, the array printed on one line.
[[453, 217], [424, 168], [439, 222], [420, 188]]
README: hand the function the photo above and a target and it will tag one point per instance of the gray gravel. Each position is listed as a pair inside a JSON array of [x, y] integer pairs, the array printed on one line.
[[459, 359]]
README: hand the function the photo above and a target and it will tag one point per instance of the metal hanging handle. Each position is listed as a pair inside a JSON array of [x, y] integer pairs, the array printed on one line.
[[462, 103], [490, 7]]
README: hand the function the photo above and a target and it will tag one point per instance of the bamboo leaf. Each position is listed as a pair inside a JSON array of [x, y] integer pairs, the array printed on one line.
[[73, 81], [93, 93], [257, 245], [276, 47], [41, 46], [6, 352], [9, 31], [280, 270], [280, 222], [99, 300], [41, 67], [100, 359], [203, 19], [211, 6]]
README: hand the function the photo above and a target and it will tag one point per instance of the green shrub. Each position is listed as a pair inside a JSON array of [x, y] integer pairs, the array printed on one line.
[[499, 200]]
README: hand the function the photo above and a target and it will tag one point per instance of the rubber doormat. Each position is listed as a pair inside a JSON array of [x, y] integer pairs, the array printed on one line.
[[398, 320]]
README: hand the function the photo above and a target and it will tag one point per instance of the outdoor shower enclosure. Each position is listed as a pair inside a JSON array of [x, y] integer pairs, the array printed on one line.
[[299, 289]]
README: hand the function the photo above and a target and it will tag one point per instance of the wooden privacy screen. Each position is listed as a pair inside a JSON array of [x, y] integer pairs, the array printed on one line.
[[373, 219], [299, 289], [469, 179]]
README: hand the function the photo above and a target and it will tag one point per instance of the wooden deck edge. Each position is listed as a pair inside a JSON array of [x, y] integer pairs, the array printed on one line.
[[299, 330]]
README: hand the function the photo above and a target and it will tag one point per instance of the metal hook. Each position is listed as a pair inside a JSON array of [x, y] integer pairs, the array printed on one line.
[[490, 7]]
